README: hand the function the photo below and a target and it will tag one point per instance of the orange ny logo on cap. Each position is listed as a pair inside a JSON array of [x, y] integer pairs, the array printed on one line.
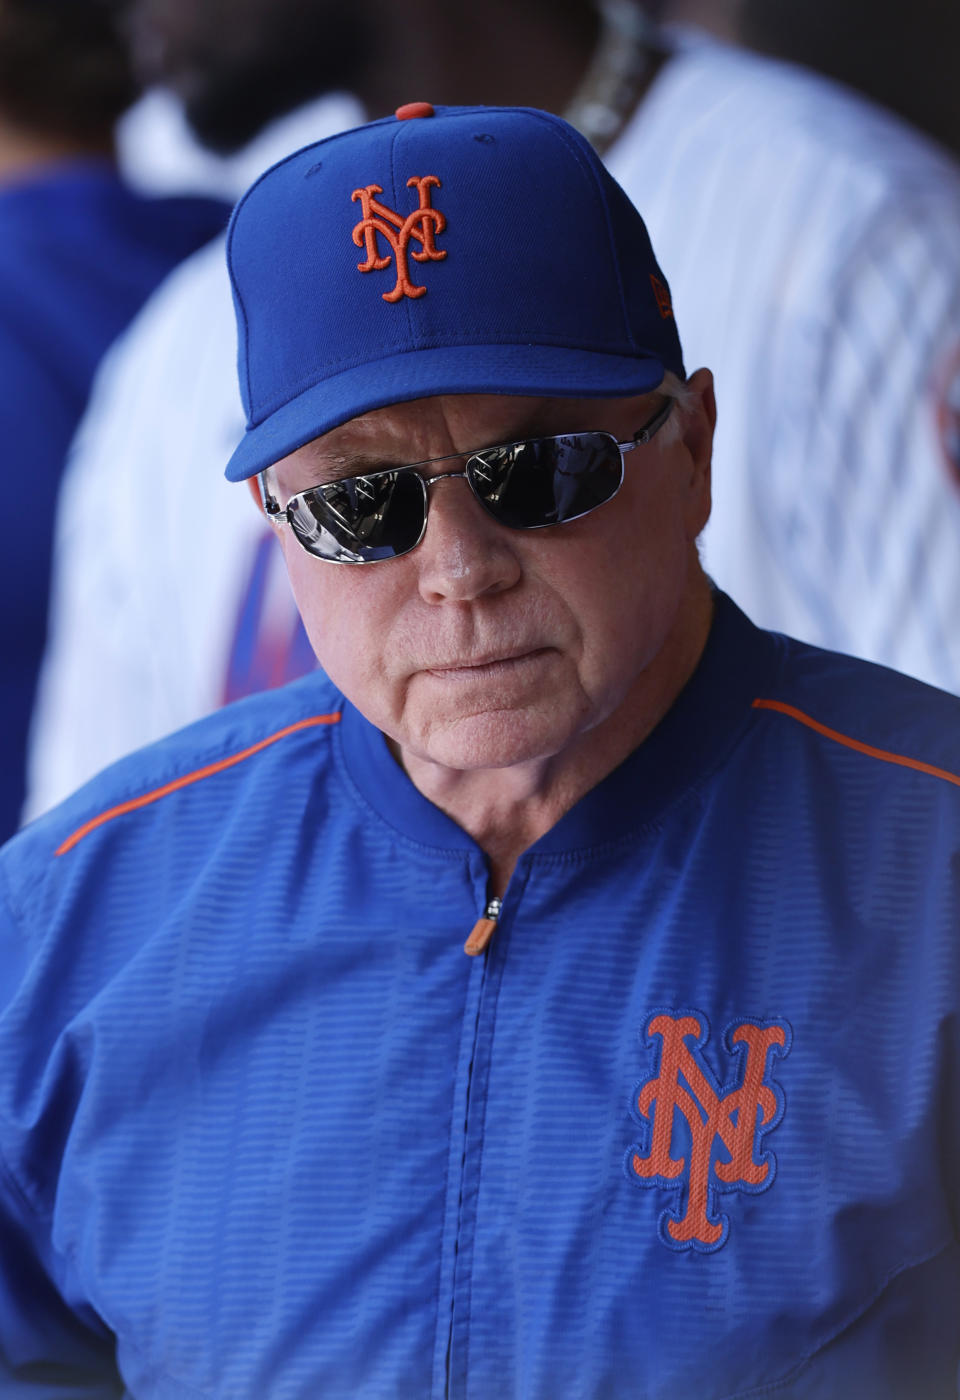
[[423, 224], [720, 1150]]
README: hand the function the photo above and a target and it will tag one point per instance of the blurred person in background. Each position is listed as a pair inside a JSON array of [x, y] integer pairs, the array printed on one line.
[[815, 262], [79, 253], [814, 255], [229, 86], [905, 60]]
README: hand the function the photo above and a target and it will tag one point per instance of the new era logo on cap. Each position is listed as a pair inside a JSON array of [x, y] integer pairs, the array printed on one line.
[[499, 256]]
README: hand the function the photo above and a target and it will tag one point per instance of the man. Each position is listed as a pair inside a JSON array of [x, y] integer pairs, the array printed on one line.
[[684, 1123], [79, 254], [791, 285]]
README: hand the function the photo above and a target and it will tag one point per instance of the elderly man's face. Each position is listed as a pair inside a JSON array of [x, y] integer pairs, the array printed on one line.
[[485, 646]]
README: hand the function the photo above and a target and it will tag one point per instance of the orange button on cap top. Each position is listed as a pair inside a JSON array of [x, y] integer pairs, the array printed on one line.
[[413, 109]]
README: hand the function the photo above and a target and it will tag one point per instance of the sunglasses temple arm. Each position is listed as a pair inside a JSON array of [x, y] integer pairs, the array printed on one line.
[[651, 429], [270, 503]]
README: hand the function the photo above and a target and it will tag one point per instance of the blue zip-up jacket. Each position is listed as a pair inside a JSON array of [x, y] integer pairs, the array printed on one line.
[[688, 1129]]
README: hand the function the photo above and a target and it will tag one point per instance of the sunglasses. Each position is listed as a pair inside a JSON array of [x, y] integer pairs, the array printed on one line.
[[523, 485]]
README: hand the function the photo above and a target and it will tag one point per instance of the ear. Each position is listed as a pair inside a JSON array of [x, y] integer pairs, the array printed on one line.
[[253, 487], [699, 422]]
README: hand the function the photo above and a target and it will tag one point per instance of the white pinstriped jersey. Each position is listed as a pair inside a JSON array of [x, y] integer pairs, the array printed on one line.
[[812, 245], [813, 248]]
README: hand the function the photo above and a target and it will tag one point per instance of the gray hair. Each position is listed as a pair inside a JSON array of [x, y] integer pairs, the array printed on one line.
[[685, 399]]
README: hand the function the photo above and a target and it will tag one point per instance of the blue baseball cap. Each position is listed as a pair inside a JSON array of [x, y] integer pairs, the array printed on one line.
[[456, 250]]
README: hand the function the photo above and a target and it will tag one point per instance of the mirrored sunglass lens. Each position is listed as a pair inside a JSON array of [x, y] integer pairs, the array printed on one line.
[[549, 480], [362, 518]]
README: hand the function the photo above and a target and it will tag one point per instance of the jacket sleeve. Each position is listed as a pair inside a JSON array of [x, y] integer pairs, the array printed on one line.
[[48, 1349], [52, 1345]]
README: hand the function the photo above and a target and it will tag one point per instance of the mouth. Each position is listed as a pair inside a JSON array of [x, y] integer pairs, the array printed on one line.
[[487, 666]]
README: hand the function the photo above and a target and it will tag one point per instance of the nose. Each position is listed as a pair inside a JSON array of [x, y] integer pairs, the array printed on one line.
[[464, 553]]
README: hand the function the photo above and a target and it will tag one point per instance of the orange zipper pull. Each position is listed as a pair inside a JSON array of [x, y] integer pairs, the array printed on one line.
[[483, 930]]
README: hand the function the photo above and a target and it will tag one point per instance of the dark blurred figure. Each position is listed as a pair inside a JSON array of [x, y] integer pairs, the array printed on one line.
[[79, 254], [238, 64], [904, 57]]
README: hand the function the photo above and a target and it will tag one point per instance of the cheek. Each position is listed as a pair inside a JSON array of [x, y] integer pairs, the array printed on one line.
[[630, 581], [306, 583], [323, 598], [347, 614]]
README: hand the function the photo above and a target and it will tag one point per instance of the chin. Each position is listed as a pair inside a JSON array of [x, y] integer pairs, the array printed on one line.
[[495, 739]]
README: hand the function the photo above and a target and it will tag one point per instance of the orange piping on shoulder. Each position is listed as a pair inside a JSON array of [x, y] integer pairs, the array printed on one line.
[[195, 777], [883, 754]]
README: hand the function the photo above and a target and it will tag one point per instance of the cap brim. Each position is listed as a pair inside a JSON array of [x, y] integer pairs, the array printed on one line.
[[538, 370]]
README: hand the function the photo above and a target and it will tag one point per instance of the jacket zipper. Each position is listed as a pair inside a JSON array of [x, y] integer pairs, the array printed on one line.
[[484, 929]]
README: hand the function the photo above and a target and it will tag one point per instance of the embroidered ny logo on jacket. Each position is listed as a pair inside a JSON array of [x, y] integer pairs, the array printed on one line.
[[702, 1138]]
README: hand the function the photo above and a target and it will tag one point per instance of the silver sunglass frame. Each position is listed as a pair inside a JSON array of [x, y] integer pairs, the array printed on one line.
[[280, 515]]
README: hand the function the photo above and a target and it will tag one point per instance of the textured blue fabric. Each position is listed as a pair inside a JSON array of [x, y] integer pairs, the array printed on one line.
[[267, 1132], [79, 253]]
